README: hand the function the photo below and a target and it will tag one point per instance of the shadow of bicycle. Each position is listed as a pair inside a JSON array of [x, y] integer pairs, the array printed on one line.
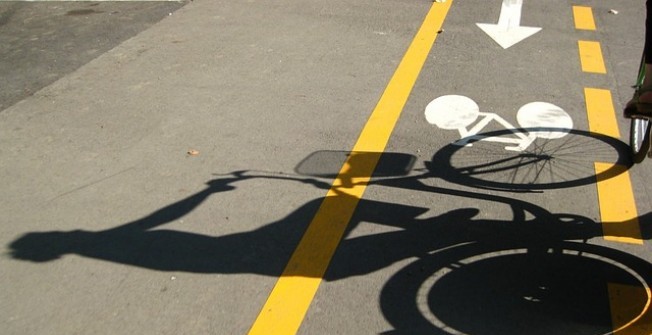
[[547, 163], [473, 275]]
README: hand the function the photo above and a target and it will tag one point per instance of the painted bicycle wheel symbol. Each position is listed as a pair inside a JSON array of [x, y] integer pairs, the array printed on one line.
[[536, 120], [543, 152]]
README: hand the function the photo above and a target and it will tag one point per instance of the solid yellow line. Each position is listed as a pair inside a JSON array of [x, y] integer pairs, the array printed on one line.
[[583, 18], [615, 195], [290, 299], [591, 57]]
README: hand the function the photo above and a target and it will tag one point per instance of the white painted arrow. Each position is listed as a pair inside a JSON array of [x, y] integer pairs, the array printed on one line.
[[508, 31]]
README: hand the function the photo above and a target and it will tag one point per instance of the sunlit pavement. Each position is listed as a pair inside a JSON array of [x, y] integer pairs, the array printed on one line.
[[206, 168]]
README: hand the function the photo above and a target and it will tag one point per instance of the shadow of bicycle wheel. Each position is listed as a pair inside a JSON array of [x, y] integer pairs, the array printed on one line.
[[548, 163], [482, 289]]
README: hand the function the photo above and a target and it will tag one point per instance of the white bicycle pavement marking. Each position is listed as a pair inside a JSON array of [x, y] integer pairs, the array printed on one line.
[[536, 119]]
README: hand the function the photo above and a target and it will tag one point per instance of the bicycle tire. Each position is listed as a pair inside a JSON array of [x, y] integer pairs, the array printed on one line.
[[639, 129], [639, 139]]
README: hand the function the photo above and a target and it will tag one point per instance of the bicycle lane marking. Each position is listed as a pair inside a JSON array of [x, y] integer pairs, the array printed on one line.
[[615, 195], [618, 211], [294, 291]]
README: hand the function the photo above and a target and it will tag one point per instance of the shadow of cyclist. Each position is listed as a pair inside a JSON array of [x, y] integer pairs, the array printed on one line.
[[444, 240], [265, 250]]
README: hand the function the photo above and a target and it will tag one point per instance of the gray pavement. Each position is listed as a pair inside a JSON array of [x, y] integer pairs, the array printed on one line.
[[44, 41], [160, 183]]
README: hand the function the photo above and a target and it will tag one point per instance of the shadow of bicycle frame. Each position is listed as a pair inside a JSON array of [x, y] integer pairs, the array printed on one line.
[[452, 240]]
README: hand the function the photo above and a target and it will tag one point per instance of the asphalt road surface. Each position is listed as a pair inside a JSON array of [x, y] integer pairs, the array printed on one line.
[[312, 167]]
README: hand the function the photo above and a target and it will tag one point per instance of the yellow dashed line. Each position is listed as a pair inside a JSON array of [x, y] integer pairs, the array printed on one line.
[[591, 57], [633, 317], [615, 195], [583, 18], [617, 207], [630, 305], [601, 113]]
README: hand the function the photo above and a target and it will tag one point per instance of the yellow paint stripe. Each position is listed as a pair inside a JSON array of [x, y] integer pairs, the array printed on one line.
[[600, 111], [630, 305], [630, 309], [591, 57], [617, 205], [291, 297], [583, 18]]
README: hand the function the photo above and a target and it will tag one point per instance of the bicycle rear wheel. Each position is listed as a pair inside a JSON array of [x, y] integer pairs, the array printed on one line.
[[639, 129], [639, 138]]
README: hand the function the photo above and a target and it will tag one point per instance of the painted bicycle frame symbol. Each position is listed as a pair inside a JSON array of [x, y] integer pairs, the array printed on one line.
[[536, 120]]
